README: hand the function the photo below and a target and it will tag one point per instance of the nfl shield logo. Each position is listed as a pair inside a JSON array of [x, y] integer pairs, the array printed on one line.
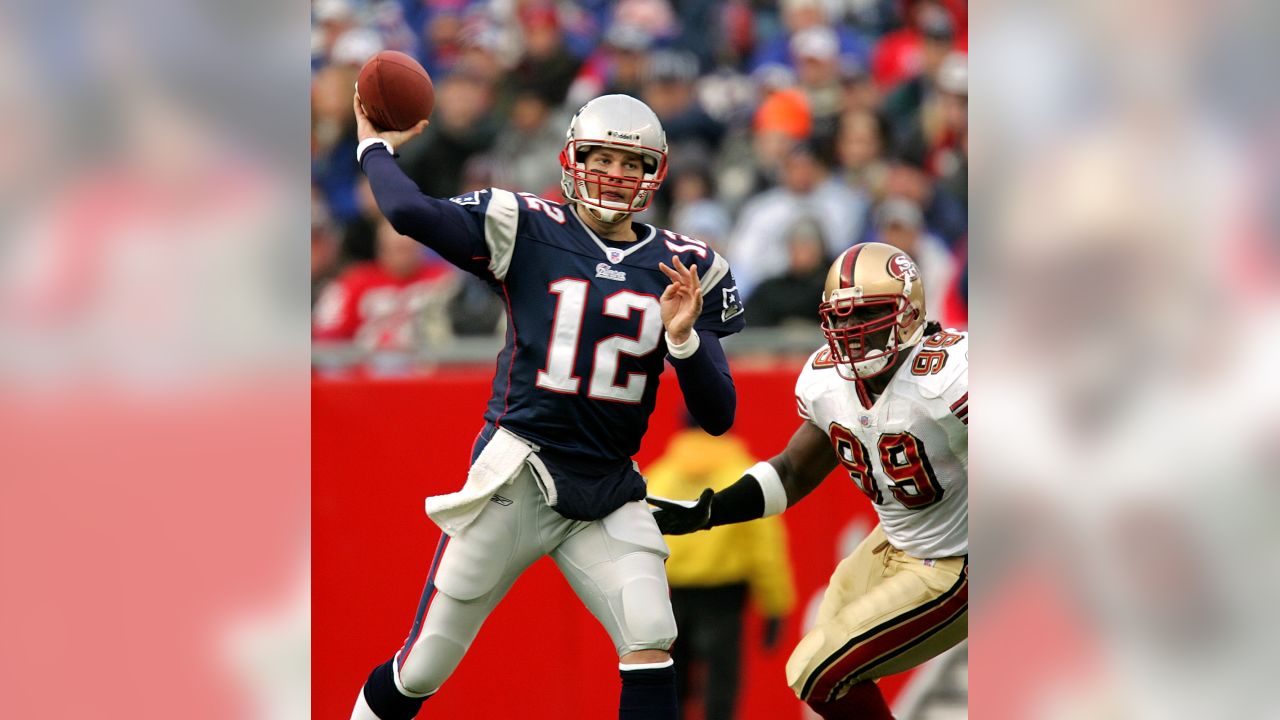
[[614, 255], [864, 420]]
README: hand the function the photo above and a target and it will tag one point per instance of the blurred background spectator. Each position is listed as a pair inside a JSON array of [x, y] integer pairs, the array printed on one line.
[[463, 125], [694, 207], [547, 67], [860, 148], [787, 121], [799, 17], [534, 131], [900, 223], [757, 248], [714, 573], [393, 303], [325, 248], [794, 295]]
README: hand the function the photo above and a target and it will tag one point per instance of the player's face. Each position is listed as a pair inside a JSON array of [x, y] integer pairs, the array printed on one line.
[[616, 163], [866, 314], [858, 344]]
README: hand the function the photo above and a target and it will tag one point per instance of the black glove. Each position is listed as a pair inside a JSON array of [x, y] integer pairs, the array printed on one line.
[[676, 518], [772, 632]]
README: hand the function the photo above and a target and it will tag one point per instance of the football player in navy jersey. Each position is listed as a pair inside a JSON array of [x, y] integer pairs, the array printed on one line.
[[596, 303]]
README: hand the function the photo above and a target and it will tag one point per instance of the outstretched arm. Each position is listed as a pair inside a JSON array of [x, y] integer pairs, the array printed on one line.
[[438, 224], [767, 488]]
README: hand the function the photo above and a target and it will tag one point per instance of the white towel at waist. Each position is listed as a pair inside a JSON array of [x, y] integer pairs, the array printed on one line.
[[499, 463]]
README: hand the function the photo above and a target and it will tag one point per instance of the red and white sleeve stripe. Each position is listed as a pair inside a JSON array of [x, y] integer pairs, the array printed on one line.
[[960, 408]]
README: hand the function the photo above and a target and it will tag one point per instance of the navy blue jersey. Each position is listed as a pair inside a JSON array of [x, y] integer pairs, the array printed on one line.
[[585, 343]]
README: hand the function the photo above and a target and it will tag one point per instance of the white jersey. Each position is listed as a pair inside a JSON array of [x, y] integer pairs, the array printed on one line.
[[909, 450]]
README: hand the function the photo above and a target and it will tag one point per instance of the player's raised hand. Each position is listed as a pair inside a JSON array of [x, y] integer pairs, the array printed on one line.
[[681, 518], [682, 300], [365, 128]]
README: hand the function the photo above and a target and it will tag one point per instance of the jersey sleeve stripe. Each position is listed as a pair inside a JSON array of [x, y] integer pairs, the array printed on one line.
[[802, 410], [501, 219], [964, 400], [719, 268]]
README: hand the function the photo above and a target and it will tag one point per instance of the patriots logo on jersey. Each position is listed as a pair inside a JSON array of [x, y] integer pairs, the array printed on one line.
[[731, 305], [471, 198], [608, 273]]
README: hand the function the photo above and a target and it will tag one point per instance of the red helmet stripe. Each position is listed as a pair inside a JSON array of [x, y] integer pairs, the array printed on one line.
[[846, 267]]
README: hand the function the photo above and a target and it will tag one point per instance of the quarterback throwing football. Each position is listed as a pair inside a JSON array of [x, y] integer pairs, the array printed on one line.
[[887, 400], [594, 314]]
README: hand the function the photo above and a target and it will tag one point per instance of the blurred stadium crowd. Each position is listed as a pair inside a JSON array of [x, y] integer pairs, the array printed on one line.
[[796, 128]]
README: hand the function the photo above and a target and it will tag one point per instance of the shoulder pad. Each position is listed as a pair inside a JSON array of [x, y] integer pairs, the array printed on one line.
[[810, 382], [689, 249], [531, 204], [711, 271], [821, 359], [818, 363]]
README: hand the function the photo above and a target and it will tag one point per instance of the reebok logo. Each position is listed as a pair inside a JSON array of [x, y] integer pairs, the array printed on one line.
[[608, 273], [501, 500]]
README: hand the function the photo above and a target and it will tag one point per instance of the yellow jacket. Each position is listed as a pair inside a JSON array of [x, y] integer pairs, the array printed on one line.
[[752, 552]]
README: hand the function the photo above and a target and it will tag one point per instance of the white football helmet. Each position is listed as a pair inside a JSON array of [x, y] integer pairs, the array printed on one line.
[[616, 121], [872, 308]]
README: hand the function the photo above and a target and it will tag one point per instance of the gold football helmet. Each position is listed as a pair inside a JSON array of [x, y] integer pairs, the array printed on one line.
[[872, 308]]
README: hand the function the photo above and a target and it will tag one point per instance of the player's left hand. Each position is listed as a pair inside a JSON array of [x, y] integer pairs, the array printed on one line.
[[682, 300], [681, 518]]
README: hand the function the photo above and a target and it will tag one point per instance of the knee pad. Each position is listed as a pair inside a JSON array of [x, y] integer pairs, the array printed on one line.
[[638, 551], [801, 660], [649, 622], [430, 662]]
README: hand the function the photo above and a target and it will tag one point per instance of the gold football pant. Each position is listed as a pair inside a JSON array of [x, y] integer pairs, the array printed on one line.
[[883, 612]]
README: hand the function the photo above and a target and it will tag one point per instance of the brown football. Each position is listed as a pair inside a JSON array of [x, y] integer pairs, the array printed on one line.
[[395, 91]]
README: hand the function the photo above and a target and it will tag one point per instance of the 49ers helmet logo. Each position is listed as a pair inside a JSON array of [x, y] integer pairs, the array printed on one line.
[[901, 267]]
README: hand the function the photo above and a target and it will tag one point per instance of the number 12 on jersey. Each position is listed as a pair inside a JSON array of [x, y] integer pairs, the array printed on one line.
[[566, 330]]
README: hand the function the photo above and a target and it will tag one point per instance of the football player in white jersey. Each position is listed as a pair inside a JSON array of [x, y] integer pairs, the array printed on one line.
[[888, 401]]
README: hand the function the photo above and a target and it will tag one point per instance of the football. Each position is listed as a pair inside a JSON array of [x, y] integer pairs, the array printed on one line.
[[395, 90]]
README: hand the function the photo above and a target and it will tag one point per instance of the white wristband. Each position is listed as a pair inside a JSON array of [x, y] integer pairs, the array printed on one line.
[[775, 495], [367, 143], [684, 349]]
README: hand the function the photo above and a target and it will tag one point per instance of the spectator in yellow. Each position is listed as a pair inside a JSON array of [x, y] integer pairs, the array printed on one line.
[[712, 573]]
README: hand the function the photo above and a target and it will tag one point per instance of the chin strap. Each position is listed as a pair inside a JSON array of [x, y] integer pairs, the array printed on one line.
[[600, 214]]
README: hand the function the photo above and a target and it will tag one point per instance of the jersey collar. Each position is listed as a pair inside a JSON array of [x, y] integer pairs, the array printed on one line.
[[616, 255]]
